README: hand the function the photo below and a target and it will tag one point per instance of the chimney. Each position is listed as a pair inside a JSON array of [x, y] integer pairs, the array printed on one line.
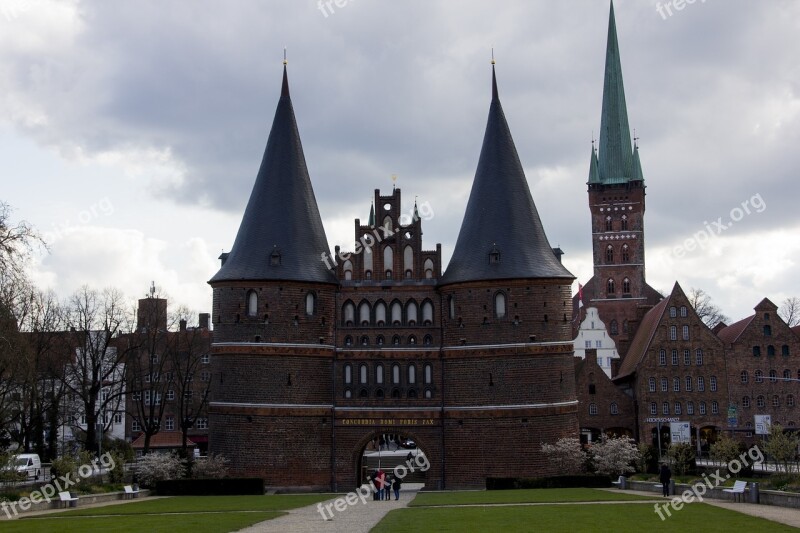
[[204, 319], [591, 355], [183, 324]]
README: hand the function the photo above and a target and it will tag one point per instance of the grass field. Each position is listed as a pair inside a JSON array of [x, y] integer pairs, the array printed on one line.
[[521, 496], [194, 514]]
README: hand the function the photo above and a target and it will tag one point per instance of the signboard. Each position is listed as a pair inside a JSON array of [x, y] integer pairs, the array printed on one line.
[[763, 422], [733, 419], [662, 420], [680, 432]]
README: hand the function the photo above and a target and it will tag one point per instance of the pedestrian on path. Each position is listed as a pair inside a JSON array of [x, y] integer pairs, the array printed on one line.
[[396, 487], [664, 476]]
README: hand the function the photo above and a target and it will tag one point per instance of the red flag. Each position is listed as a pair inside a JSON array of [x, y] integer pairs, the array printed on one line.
[[580, 295]]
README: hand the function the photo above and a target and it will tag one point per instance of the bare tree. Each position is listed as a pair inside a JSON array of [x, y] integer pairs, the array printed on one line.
[[17, 240], [95, 373], [790, 311], [705, 308]]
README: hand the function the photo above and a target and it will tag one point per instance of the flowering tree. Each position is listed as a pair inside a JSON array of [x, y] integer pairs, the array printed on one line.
[[566, 455], [614, 456], [155, 467]]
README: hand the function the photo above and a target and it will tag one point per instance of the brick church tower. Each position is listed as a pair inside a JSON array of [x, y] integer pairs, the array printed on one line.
[[618, 288]]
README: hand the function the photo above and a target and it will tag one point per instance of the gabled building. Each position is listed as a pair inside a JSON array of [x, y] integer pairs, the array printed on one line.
[[676, 370], [763, 369], [618, 288], [604, 409], [594, 335]]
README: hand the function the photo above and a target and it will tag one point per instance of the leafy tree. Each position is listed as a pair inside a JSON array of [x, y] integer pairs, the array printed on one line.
[[614, 456], [566, 455], [706, 309], [682, 456], [782, 447]]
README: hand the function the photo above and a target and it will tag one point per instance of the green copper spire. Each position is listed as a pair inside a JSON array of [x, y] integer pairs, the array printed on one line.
[[615, 161], [637, 165], [594, 177]]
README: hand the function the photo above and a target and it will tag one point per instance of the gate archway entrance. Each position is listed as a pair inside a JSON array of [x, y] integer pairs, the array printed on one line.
[[396, 452]]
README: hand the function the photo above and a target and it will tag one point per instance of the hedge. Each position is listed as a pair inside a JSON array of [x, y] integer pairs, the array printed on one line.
[[210, 487], [556, 482]]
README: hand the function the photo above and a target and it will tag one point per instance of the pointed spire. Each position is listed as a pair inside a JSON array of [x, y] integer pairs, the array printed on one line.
[[594, 176], [416, 211], [371, 221], [494, 80], [615, 161], [501, 236], [281, 236], [637, 165]]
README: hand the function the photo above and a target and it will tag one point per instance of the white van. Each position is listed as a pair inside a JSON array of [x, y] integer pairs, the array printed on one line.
[[29, 464]]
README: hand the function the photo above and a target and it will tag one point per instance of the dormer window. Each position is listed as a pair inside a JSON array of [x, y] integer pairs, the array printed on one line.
[[275, 258], [494, 256]]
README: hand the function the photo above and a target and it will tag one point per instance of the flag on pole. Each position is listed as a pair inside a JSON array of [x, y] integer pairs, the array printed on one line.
[[580, 295]]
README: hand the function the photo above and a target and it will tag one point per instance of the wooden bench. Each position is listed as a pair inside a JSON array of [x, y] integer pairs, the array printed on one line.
[[130, 492], [738, 488], [67, 499]]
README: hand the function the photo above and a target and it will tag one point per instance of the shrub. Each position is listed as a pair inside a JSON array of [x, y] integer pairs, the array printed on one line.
[[209, 487], [117, 474], [555, 482], [614, 456], [63, 466], [566, 455], [211, 467], [682, 456], [155, 467]]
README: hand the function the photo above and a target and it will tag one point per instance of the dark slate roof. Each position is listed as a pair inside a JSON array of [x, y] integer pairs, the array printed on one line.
[[281, 217], [641, 341], [501, 216], [615, 159]]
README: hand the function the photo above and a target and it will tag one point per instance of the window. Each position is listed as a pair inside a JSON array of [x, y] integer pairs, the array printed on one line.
[[348, 392], [626, 253], [187, 394], [598, 344], [500, 305], [428, 393], [662, 357], [135, 425], [773, 376], [685, 332], [205, 375], [701, 383], [396, 374], [698, 355], [362, 374], [428, 374], [380, 313], [687, 358], [702, 408], [665, 408], [746, 402], [170, 395], [785, 350], [787, 375], [169, 423], [614, 408], [592, 408], [744, 376], [379, 340], [311, 303], [388, 261], [684, 312], [610, 287], [790, 400], [771, 350], [136, 396], [715, 407], [651, 384], [624, 223], [412, 374], [767, 330], [428, 269], [379, 374], [609, 254], [364, 313], [756, 351], [364, 340], [201, 423], [759, 376], [676, 384], [678, 409], [776, 402], [713, 383], [760, 401], [688, 383], [451, 306], [587, 344], [427, 313], [205, 359], [614, 327], [626, 286], [348, 340], [689, 408], [396, 340], [349, 313], [673, 333], [664, 385], [673, 312], [397, 313], [608, 224], [653, 408], [408, 261], [252, 303], [412, 339], [675, 357], [348, 374]]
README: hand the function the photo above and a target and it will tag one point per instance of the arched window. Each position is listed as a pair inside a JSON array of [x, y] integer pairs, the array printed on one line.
[[428, 374], [348, 340], [388, 261], [614, 327], [610, 286], [625, 327], [760, 402], [626, 253], [746, 402], [412, 393], [252, 303], [626, 286], [688, 383], [608, 224], [744, 376], [712, 382], [699, 356], [379, 394], [387, 223], [380, 313], [787, 374], [349, 314], [773, 376], [396, 393], [499, 305], [411, 313], [367, 260], [790, 400], [396, 374], [364, 340], [364, 313], [665, 408], [412, 339], [684, 311], [427, 313], [412, 374], [770, 350], [785, 350], [368, 275], [676, 384], [614, 408], [759, 376], [673, 312], [428, 266], [408, 260], [624, 225], [756, 351], [362, 374], [673, 333], [428, 340], [348, 374], [651, 382], [428, 393], [379, 340], [664, 385], [701, 383], [397, 313], [685, 333], [451, 306], [592, 408], [348, 270], [767, 330], [609, 254], [311, 303], [702, 408], [379, 374]]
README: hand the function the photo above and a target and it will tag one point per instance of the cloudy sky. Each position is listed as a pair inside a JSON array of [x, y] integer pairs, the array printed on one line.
[[131, 132]]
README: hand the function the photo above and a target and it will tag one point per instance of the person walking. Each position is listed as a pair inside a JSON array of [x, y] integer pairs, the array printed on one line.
[[381, 483], [664, 476], [374, 480], [396, 487]]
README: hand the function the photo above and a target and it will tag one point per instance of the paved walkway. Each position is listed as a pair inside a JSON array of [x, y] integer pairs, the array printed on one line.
[[357, 518]]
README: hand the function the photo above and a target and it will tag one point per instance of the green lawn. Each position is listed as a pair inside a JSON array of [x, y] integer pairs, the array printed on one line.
[[190, 514], [632, 518], [522, 496]]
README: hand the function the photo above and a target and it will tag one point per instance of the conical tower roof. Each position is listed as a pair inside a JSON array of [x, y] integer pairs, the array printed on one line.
[[615, 158], [501, 236], [281, 236]]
